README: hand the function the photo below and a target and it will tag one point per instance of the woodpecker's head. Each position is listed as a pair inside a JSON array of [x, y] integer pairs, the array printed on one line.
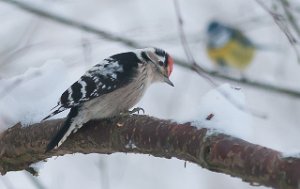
[[161, 61]]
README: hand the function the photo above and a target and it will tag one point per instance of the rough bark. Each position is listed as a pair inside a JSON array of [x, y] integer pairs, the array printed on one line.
[[21, 146]]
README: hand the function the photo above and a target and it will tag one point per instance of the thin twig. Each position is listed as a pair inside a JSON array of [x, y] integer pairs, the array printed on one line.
[[6, 182], [106, 35], [198, 69], [86, 50], [291, 18], [18, 81], [35, 181], [280, 22], [187, 49], [73, 23], [104, 174]]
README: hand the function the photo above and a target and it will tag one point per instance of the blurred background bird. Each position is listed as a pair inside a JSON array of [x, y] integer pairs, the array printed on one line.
[[228, 46]]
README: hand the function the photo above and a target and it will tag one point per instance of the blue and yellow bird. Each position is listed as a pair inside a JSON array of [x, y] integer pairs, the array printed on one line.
[[227, 46]]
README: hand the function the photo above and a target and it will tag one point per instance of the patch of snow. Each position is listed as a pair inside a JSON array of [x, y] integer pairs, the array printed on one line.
[[38, 166], [219, 113], [130, 145], [21, 94], [294, 154]]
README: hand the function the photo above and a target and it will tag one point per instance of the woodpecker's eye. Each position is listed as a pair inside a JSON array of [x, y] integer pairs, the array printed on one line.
[[160, 63]]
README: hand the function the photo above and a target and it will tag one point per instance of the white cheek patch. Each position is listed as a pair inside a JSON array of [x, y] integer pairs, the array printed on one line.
[[152, 56], [221, 38]]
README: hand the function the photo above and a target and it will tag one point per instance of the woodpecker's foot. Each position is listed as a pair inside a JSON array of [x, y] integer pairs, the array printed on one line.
[[134, 110], [137, 109], [32, 171]]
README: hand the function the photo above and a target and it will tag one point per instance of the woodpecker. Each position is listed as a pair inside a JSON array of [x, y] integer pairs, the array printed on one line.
[[110, 88]]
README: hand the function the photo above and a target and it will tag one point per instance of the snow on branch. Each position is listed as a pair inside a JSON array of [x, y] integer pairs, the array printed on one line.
[[29, 7], [22, 146]]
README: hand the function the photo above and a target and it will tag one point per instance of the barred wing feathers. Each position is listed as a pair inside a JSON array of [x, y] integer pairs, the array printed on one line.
[[112, 73]]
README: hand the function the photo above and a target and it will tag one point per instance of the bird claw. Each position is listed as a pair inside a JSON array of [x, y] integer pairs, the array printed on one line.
[[137, 109], [134, 110]]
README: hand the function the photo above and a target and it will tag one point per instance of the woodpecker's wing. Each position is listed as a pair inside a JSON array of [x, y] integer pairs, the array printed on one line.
[[112, 73]]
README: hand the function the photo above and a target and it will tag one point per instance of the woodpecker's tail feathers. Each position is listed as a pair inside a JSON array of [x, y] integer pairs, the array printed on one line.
[[70, 126], [60, 109]]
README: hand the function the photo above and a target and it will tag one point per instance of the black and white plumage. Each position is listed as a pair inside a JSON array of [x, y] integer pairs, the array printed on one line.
[[110, 88]]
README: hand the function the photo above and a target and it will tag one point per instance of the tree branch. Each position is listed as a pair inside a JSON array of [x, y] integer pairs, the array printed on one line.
[[131, 43], [21, 146], [290, 16]]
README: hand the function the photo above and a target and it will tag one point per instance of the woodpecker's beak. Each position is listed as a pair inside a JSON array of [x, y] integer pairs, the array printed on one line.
[[167, 80]]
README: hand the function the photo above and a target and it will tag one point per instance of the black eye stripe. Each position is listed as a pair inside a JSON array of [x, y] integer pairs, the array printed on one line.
[[166, 60], [160, 52], [145, 57]]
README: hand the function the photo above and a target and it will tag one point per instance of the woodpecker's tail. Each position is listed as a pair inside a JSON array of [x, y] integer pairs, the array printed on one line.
[[60, 109], [69, 126]]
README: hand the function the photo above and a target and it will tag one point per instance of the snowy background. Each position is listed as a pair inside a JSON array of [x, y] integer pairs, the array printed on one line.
[[39, 59]]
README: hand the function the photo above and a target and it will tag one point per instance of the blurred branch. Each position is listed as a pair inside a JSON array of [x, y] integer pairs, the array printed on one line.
[[286, 7], [17, 41], [73, 23], [199, 70], [247, 82], [104, 174], [6, 183], [35, 181], [5, 90], [106, 35], [21, 146], [22, 45], [281, 23]]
